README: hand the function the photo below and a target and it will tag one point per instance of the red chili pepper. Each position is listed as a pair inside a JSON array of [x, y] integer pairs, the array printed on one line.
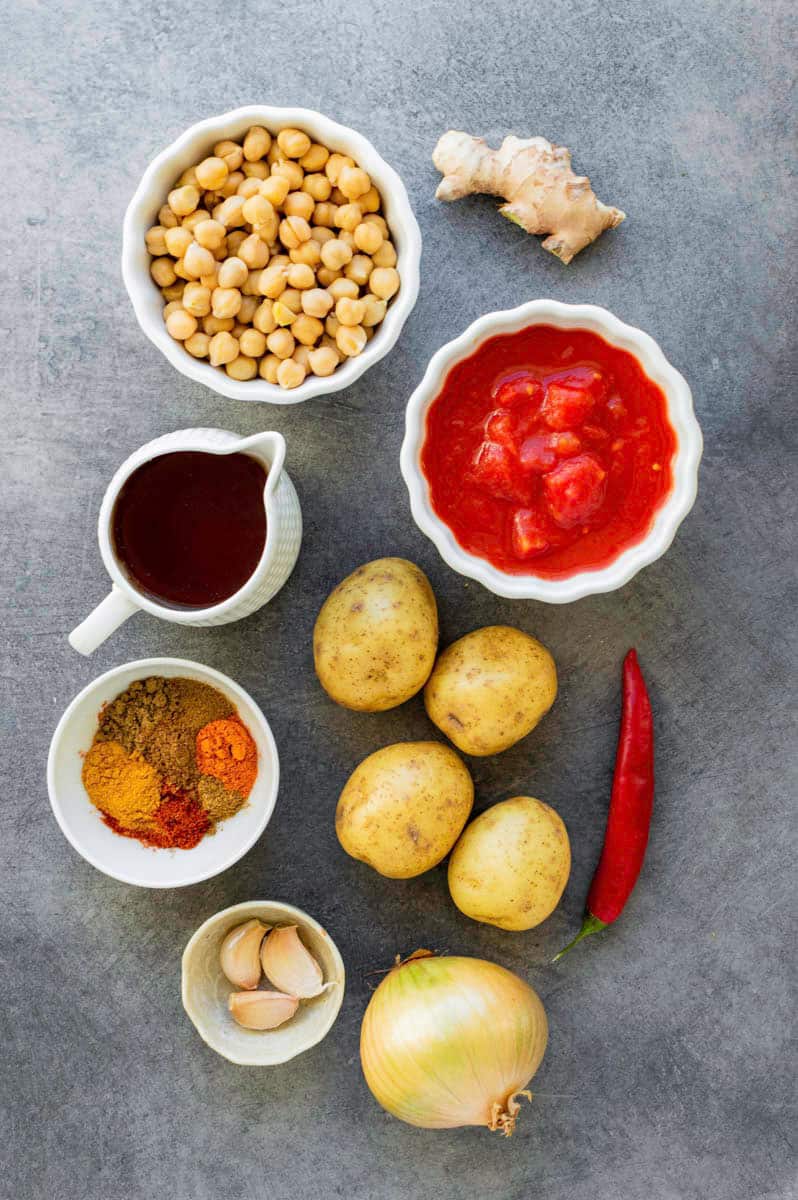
[[631, 804]]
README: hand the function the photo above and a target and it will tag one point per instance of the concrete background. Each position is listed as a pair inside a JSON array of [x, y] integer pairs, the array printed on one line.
[[668, 1073]]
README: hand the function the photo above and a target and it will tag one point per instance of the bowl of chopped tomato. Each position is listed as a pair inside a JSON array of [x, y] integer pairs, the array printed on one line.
[[551, 451]]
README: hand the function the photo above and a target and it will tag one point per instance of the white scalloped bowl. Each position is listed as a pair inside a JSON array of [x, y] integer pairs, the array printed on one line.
[[667, 519], [188, 149], [205, 988]]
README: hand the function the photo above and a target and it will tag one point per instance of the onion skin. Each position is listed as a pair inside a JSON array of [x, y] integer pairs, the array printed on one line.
[[453, 1041]]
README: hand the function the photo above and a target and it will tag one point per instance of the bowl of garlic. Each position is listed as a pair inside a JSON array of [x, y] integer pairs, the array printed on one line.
[[262, 982], [271, 254]]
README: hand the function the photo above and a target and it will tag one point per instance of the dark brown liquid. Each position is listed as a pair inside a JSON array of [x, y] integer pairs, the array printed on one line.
[[189, 528]]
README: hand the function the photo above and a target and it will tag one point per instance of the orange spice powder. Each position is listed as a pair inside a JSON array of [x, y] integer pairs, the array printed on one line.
[[226, 751]]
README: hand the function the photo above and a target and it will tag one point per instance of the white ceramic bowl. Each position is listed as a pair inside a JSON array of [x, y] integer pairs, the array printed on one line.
[[680, 414], [189, 148], [125, 858], [205, 988]]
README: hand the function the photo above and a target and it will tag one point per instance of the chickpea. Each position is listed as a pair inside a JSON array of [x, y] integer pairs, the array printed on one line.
[[335, 164], [166, 217], [299, 204], [242, 368], [275, 155], [183, 200], [198, 344], [223, 348], [234, 240], [350, 340], [378, 221], [375, 309], [173, 292], [328, 343], [257, 208], [269, 230], [197, 299], [211, 173], [293, 142], [275, 189], [163, 271], [225, 302], [268, 368], [370, 201], [180, 324], [368, 238], [290, 374], [315, 158], [263, 320], [209, 233], [155, 240], [274, 280], [321, 233], [248, 187], [323, 360], [231, 152], [210, 281], [325, 215], [349, 311], [309, 253], [294, 231], [188, 178], [252, 285], [302, 356], [325, 276], [335, 254], [317, 302], [344, 287], [384, 282], [237, 330], [347, 238], [180, 270], [337, 197], [307, 330], [359, 269], [231, 212], [292, 172], [198, 261], [256, 170], [252, 343], [178, 241], [281, 260], [234, 181], [257, 143], [300, 276], [348, 217], [214, 325], [281, 343], [282, 314], [332, 325], [170, 307], [317, 186], [249, 306], [254, 252], [385, 256], [292, 298], [194, 219]]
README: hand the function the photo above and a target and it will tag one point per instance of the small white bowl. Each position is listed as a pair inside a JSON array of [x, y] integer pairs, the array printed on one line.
[[685, 464], [190, 147], [205, 988], [126, 858]]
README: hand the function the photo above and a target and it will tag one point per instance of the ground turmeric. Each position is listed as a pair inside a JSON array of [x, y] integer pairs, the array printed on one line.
[[123, 786], [226, 751], [534, 177]]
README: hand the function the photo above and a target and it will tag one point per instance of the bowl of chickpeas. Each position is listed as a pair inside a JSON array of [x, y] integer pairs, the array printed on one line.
[[271, 254]]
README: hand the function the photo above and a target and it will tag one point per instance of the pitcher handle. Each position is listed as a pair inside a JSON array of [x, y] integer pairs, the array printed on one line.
[[100, 624]]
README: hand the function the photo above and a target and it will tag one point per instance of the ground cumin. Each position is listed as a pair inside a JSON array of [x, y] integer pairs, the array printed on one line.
[[218, 801]]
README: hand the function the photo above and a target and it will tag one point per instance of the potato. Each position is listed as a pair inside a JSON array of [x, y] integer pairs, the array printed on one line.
[[376, 635], [511, 864], [404, 807], [489, 689]]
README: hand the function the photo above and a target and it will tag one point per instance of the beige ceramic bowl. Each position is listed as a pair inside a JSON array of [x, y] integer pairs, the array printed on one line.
[[206, 988]]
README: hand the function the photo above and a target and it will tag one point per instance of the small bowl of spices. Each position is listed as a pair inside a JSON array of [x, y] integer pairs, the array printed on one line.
[[162, 772]]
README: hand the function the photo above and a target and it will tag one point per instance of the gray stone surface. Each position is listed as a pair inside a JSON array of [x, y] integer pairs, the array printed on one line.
[[668, 1073]]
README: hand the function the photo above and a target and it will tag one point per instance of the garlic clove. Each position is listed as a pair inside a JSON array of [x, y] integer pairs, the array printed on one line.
[[240, 954], [289, 965], [261, 1010]]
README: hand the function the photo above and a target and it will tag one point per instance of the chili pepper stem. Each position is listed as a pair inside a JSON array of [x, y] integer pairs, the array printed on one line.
[[590, 925]]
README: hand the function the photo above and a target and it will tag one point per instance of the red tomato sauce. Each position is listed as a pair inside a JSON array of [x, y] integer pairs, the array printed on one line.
[[548, 451]]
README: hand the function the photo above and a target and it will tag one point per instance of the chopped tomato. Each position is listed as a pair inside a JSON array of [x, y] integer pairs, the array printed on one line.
[[500, 426], [520, 389], [527, 535], [564, 445], [575, 489], [536, 454], [565, 407], [495, 469]]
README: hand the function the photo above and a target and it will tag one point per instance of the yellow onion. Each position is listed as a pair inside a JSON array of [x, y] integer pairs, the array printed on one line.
[[452, 1041]]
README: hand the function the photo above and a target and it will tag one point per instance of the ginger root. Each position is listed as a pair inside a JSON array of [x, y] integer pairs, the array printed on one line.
[[535, 179]]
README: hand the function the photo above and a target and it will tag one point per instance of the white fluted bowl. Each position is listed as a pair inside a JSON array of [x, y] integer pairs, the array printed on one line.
[[189, 149], [668, 518]]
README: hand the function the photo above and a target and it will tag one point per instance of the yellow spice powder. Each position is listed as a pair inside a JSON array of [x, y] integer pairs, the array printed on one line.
[[121, 785]]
